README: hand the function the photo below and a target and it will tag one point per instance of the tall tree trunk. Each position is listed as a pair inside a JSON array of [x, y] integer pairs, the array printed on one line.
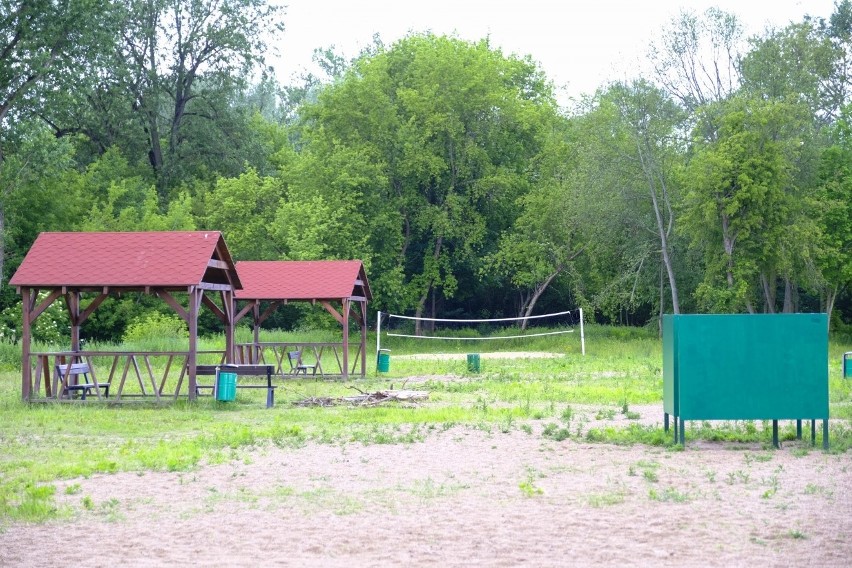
[[662, 302], [728, 242], [830, 297], [432, 323], [421, 303], [788, 296], [539, 290], [661, 229], [768, 293], [2, 236]]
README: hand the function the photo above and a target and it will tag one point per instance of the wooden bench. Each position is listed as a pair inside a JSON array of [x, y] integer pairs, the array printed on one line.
[[65, 373], [246, 370]]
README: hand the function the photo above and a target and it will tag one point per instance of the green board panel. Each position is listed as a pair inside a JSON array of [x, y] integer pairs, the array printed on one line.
[[669, 366], [746, 366]]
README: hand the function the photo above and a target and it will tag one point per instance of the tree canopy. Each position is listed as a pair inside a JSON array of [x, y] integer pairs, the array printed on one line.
[[721, 182]]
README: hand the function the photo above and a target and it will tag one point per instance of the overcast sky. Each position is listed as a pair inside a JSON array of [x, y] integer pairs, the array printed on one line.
[[580, 45]]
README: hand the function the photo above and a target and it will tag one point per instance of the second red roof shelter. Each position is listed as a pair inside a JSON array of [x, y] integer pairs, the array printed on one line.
[[326, 282]]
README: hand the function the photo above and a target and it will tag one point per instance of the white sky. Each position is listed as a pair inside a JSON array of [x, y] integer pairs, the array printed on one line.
[[580, 45]]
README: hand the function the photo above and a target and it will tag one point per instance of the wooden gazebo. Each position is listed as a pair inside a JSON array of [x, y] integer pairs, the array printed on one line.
[[97, 265], [330, 283]]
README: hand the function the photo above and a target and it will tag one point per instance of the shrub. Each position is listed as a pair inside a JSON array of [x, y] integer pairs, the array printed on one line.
[[155, 328]]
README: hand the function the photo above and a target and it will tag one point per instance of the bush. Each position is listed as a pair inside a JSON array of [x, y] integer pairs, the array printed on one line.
[[156, 329]]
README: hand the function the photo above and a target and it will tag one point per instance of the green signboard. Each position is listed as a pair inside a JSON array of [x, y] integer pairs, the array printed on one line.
[[745, 366]]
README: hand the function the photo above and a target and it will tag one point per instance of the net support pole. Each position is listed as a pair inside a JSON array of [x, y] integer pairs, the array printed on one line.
[[582, 335], [378, 334]]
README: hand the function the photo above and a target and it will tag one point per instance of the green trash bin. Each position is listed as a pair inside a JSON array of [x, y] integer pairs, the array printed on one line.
[[226, 387], [473, 362], [383, 364], [847, 364]]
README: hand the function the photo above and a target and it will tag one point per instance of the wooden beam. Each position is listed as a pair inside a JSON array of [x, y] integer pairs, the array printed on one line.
[[217, 311], [330, 309], [242, 313], [167, 298], [215, 287], [267, 312], [213, 263], [358, 298], [84, 315], [37, 311]]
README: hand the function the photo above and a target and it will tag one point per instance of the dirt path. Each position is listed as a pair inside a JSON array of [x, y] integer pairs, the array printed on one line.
[[462, 497]]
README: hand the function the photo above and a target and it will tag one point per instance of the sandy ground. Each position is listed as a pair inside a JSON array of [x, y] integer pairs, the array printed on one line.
[[461, 497]]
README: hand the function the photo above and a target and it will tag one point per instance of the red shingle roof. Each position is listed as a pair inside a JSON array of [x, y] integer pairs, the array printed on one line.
[[158, 259], [302, 280]]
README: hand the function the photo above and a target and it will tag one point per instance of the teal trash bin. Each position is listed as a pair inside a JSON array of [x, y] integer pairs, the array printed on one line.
[[473, 362], [847, 364], [226, 387], [383, 364]]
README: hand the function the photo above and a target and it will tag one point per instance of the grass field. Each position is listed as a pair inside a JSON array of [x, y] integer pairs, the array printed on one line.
[[570, 396]]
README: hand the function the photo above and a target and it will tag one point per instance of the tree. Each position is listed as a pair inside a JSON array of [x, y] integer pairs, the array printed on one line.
[[548, 234], [795, 63], [743, 207], [169, 91], [697, 59], [835, 214], [628, 152], [446, 130], [244, 208], [45, 47]]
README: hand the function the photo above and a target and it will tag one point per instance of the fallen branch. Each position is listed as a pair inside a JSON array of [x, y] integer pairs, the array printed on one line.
[[366, 399]]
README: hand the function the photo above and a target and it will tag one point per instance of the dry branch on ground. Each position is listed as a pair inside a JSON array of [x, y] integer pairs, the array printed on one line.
[[366, 399]]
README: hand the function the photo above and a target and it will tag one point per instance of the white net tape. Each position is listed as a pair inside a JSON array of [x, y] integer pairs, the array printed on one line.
[[479, 321], [544, 325]]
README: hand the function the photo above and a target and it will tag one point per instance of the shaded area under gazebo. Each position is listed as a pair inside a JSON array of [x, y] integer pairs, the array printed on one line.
[[86, 268], [330, 283]]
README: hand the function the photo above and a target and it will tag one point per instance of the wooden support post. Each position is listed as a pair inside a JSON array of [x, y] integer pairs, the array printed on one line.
[[255, 312], [228, 309], [363, 305], [26, 340], [191, 358], [345, 338], [72, 301]]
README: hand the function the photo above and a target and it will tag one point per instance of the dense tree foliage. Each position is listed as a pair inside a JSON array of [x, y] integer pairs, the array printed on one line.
[[722, 182]]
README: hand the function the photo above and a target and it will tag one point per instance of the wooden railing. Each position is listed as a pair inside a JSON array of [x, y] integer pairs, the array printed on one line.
[[326, 356], [151, 374]]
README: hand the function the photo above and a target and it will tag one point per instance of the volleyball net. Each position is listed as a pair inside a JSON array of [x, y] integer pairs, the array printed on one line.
[[499, 332]]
